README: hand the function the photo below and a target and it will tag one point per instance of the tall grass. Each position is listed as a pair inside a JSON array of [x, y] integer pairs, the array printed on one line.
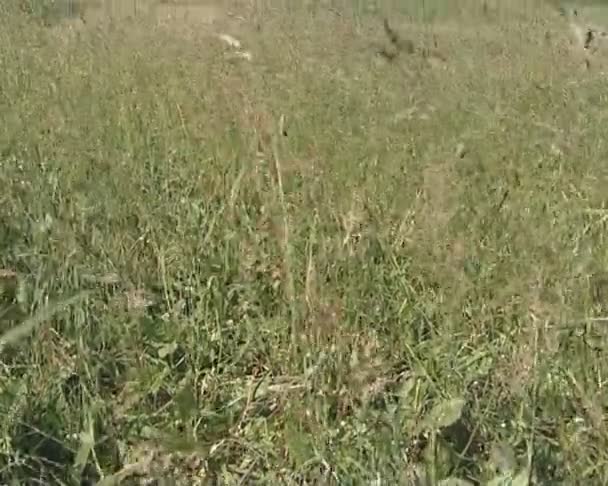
[[405, 282]]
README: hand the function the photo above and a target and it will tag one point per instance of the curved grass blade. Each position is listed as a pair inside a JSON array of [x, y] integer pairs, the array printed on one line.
[[25, 328]]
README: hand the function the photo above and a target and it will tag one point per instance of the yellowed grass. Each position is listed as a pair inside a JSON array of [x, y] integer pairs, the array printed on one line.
[[279, 309]]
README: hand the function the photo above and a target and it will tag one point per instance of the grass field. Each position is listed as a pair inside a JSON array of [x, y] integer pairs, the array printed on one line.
[[318, 266]]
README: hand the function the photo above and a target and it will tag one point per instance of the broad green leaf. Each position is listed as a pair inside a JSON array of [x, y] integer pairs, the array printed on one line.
[[87, 442], [444, 414], [167, 349]]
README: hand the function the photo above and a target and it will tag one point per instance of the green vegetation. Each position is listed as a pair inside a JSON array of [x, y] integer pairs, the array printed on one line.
[[405, 284]]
